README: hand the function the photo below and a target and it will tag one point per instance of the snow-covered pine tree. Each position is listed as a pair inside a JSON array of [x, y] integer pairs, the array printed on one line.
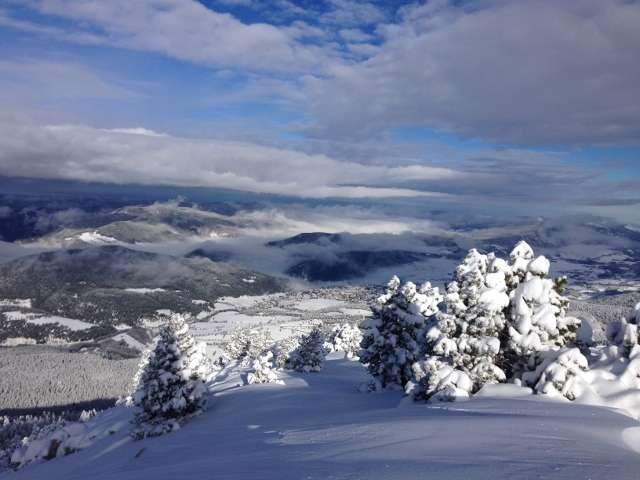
[[537, 320], [309, 355], [435, 379], [282, 350], [624, 333], [519, 259], [246, 345], [344, 338], [463, 343], [142, 366], [394, 338], [172, 385], [481, 323], [559, 373], [263, 370]]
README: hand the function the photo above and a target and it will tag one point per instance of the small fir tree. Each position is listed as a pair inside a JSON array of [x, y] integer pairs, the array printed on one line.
[[172, 384], [394, 338], [310, 354], [263, 370], [344, 338]]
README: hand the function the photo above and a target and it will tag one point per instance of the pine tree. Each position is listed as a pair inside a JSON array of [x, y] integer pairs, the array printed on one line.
[[464, 342], [624, 333], [435, 379], [559, 373], [282, 350], [246, 345], [344, 338], [394, 338], [537, 313], [172, 385], [309, 355], [263, 370]]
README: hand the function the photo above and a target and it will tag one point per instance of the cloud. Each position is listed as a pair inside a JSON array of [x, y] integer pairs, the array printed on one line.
[[52, 80], [543, 72], [186, 30], [355, 35], [137, 131], [142, 156], [350, 12]]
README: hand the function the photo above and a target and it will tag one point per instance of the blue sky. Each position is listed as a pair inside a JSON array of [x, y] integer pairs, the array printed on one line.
[[530, 105]]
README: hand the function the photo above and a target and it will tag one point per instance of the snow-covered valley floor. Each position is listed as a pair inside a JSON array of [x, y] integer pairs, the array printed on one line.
[[319, 426]]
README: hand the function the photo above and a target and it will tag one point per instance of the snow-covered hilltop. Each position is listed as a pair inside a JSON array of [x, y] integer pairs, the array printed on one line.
[[318, 426]]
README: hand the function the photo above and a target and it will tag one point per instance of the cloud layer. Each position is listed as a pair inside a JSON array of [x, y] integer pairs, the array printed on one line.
[[536, 72], [485, 102], [142, 156]]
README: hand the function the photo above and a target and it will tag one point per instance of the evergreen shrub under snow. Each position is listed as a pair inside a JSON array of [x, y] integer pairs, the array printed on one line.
[[246, 345], [282, 350], [310, 353], [499, 320], [263, 370], [393, 339], [172, 383], [345, 338]]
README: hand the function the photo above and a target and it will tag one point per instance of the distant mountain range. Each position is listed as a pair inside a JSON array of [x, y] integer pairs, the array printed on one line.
[[111, 285]]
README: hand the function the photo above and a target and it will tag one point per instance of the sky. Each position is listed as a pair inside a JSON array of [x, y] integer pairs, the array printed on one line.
[[515, 107]]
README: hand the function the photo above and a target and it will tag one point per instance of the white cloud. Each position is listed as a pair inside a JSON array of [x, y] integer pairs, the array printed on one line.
[[526, 72], [137, 131], [538, 72], [52, 80], [355, 35], [185, 30], [142, 156]]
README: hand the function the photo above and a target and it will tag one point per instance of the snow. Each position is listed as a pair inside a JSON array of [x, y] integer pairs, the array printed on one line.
[[243, 301], [315, 304], [38, 319], [70, 323], [94, 238], [319, 426], [539, 266], [129, 341], [356, 312], [144, 290], [16, 303]]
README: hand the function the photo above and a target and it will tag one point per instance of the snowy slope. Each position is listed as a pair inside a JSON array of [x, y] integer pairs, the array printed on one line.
[[318, 426]]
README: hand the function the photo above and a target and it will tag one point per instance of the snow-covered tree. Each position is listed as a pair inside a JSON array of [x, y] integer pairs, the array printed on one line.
[[435, 379], [624, 333], [482, 321], [537, 312], [282, 350], [497, 315], [559, 373], [263, 370], [246, 345], [172, 385], [466, 337], [393, 339], [309, 355], [344, 338]]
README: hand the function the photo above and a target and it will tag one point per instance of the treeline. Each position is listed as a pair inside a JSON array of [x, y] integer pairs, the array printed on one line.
[[50, 378]]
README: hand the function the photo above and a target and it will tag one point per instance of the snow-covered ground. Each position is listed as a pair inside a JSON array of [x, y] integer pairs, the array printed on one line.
[[39, 319], [318, 426]]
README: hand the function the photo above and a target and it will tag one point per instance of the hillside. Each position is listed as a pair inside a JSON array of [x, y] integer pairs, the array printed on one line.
[[320, 426]]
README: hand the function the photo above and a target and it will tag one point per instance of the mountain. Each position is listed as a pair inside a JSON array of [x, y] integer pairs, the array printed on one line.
[[352, 264], [111, 285], [307, 238]]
